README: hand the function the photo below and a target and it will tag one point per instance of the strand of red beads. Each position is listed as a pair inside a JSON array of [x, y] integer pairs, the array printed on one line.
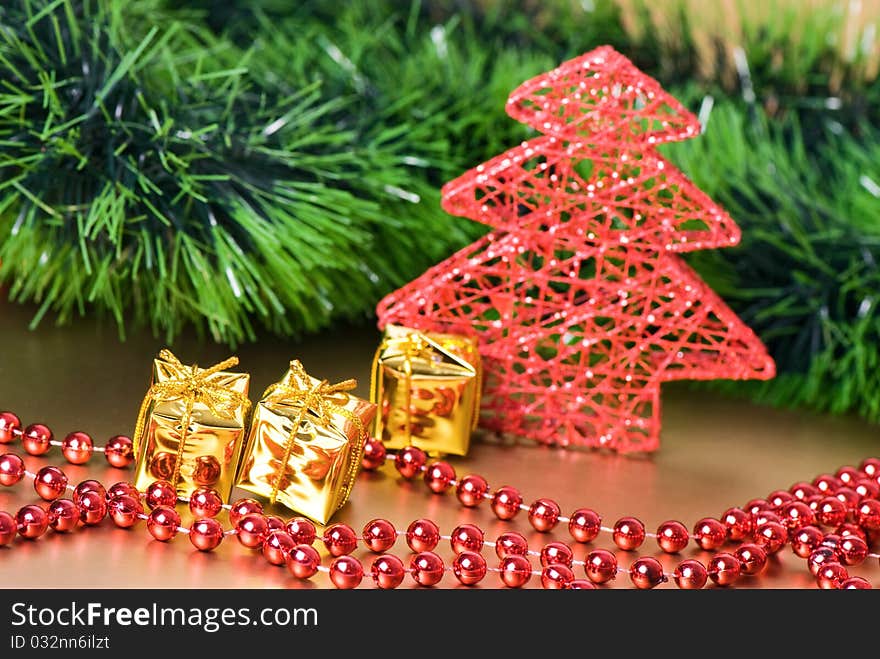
[[291, 543], [77, 447]]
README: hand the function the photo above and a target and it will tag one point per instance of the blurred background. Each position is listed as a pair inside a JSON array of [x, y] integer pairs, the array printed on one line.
[[250, 169]]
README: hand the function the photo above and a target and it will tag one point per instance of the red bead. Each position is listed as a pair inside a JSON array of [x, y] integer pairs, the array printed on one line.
[[10, 426], [672, 537], [469, 568], [471, 490], [160, 493], [120, 488], [868, 515], [426, 568], [466, 537], [796, 515], [63, 515], [801, 491], [340, 539], [252, 530], [124, 510], [205, 502], [584, 525], [756, 506], [831, 541], [556, 552], [724, 569], [387, 571], [88, 486], [36, 439], [163, 523], [11, 469], [738, 524], [779, 497], [439, 477], [845, 530], [556, 577], [31, 522], [301, 530], [852, 550], [277, 546], [805, 540], [275, 523], [869, 466], [855, 583], [422, 535], [581, 584], [409, 462], [515, 571], [303, 561], [119, 451], [77, 448], [752, 558], [50, 483], [820, 557], [848, 475], [709, 533], [374, 454], [206, 534], [600, 566], [866, 489], [8, 528], [544, 515], [511, 543], [92, 508], [346, 572], [831, 576], [826, 483], [646, 573], [506, 502], [629, 533], [244, 507], [379, 535], [690, 575], [766, 516], [831, 512], [771, 536], [848, 496]]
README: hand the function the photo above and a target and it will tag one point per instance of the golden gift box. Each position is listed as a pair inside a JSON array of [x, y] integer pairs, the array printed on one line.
[[427, 386], [191, 426], [305, 444]]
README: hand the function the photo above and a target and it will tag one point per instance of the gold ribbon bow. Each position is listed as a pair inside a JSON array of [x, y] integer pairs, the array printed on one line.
[[192, 385], [299, 390]]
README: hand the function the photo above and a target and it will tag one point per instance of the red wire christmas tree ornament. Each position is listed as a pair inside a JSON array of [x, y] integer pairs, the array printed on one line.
[[578, 298]]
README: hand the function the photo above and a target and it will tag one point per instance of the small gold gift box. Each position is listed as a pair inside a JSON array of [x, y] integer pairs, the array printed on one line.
[[191, 426], [427, 386], [305, 444]]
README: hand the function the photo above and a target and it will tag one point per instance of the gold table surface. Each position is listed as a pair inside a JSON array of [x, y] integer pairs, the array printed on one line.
[[716, 452]]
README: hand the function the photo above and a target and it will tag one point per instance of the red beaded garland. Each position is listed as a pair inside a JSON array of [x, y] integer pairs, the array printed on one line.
[[120, 488], [584, 525], [629, 533], [831, 576], [600, 566], [160, 493], [50, 483], [852, 550], [672, 537], [471, 490], [772, 536], [8, 528], [469, 568], [646, 573], [36, 439], [779, 497], [374, 454], [868, 515], [426, 568], [544, 515], [387, 571], [819, 557], [511, 543], [805, 540], [845, 530], [422, 535], [379, 535], [855, 583], [125, 510], [409, 462], [724, 569], [88, 486], [802, 490], [303, 561], [31, 522], [831, 511], [556, 576], [506, 502], [252, 530], [690, 575], [205, 502], [515, 570], [11, 469], [206, 534], [276, 547], [63, 515], [92, 508], [242, 507], [556, 552], [346, 572], [163, 523], [581, 584], [738, 522], [826, 483], [301, 530], [709, 533], [119, 451], [870, 466], [439, 476], [752, 558], [795, 515], [10, 426], [77, 448], [848, 475], [340, 539], [466, 537]]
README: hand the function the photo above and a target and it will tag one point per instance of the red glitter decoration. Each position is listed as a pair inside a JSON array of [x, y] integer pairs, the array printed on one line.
[[578, 298]]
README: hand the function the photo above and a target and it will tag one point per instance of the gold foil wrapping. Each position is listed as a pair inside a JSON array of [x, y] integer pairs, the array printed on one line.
[[427, 386], [191, 426], [305, 444]]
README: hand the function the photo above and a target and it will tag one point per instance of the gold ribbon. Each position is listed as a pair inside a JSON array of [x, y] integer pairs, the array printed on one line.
[[192, 385], [315, 397]]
